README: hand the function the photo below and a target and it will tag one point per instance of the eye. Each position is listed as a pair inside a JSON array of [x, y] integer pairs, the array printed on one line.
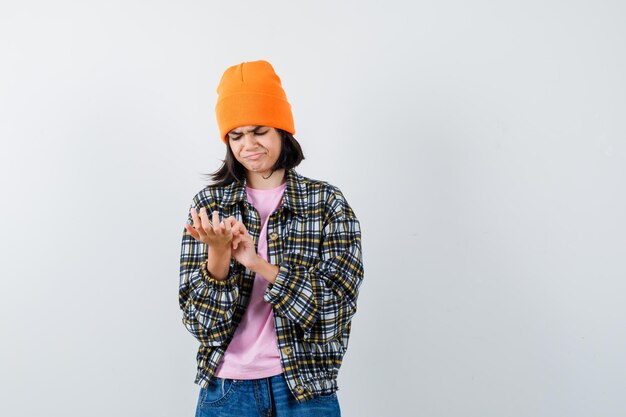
[[234, 138], [261, 133]]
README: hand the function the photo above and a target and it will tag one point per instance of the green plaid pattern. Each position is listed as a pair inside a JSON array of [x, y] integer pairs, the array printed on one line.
[[315, 239]]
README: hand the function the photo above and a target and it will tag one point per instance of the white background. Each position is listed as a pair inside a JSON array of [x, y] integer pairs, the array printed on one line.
[[481, 144]]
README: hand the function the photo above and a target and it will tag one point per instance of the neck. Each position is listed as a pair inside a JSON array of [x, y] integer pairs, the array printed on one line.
[[261, 181]]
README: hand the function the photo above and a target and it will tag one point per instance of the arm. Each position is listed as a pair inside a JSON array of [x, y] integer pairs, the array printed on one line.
[[321, 296], [208, 304]]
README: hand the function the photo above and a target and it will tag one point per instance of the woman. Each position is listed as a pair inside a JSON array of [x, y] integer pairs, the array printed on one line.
[[270, 264]]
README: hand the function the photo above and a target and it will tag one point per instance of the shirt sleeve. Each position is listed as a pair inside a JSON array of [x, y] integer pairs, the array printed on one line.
[[208, 304], [321, 296]]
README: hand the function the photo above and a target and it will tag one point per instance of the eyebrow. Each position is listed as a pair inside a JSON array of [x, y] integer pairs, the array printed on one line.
[[238, 133]]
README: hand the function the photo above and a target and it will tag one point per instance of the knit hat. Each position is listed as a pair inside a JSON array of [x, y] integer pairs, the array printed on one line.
[[250, 93]]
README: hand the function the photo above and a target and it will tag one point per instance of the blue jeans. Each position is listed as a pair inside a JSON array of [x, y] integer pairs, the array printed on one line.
[[262, 397]]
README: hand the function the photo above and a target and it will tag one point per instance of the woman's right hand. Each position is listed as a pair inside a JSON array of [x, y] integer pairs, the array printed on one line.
[[217, 235]]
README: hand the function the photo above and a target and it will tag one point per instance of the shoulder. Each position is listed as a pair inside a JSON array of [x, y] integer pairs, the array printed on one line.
[[324, 193], [315, 184], [315, 187], [209, 196]]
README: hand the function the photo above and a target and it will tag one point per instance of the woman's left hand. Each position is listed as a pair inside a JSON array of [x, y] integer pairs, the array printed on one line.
[[243, 249]]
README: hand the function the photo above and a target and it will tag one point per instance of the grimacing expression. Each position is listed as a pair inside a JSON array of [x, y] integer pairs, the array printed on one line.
[[257, 148]]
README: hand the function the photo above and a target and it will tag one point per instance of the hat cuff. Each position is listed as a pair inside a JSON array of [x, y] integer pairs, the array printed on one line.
[[248, 108]]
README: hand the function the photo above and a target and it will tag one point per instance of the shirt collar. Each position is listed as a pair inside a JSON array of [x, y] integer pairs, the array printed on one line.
[[294, 199]]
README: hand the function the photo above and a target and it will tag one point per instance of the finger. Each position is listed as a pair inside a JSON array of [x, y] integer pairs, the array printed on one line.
[[242, 238], [236, 228], [235, 242], [197, 223], [194, 217], [227, 228], [246, 243], [221, 229], [239, 227], [216, 219], [232, 220], [206, 223], [245, 232], [191, 231]]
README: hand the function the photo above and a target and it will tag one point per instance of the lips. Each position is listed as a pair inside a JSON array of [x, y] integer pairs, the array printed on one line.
[[254, 156]]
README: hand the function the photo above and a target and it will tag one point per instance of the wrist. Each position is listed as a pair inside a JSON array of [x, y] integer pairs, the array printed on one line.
[[265, 269], [219, 275], [217, 264], [256, 264], [218, 252]]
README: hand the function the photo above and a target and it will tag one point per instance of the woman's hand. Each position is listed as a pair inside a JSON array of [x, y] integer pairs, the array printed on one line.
[[243, 249], [217, 235], [244, 252]]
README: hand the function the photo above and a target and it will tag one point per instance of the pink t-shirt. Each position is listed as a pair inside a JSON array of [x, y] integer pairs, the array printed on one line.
[[253, 351]]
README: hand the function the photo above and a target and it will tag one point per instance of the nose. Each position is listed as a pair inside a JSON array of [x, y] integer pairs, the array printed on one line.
[[249, 140]]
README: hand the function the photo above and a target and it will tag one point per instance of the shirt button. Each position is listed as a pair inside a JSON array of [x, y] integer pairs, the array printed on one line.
[[299, 389], [273, 236], [287, 350]]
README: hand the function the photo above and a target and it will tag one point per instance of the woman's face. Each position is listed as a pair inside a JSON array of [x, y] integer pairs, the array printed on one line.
[[257, 148]]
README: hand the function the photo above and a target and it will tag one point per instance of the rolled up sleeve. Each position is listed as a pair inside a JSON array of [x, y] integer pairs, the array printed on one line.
[[208, 304], [319, 293]]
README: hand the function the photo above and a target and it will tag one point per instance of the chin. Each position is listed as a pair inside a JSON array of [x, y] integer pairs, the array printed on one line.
[[258, 170]]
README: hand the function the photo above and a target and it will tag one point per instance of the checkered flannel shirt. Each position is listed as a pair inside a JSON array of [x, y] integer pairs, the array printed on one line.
[[315, 239]]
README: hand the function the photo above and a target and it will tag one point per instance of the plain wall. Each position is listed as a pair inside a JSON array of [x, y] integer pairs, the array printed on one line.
[[481, 144]]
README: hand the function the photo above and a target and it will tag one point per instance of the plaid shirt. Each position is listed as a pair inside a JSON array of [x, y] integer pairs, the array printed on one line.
[[315, 239]]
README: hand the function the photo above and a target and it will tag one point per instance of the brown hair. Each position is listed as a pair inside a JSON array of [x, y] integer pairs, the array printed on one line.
[[231, 170]]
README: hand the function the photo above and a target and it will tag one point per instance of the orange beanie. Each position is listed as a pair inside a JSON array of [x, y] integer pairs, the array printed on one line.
[[250, 93]]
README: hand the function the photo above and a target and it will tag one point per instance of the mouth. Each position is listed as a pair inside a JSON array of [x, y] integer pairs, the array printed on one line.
[[254, 156]]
